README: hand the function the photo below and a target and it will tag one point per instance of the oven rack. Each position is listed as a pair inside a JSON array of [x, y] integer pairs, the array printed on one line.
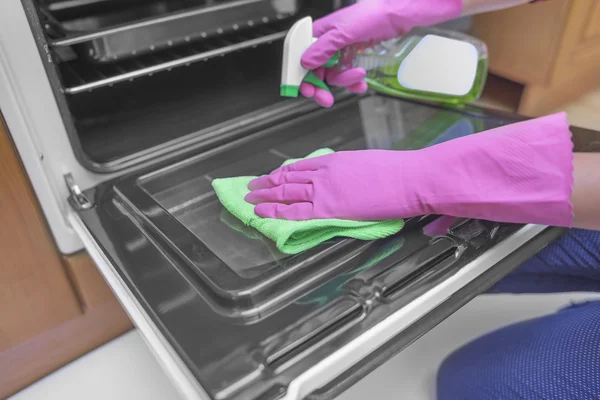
[[80, 76], [73, 38]]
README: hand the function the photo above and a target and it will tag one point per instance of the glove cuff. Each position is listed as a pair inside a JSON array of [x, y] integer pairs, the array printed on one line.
[[519, 173]]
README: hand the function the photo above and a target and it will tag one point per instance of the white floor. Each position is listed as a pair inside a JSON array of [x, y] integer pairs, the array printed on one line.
[[125, 369]]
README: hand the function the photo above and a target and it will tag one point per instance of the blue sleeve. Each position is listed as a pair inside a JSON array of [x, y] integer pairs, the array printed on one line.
[[571, 263], [556, 357], [552, 357]]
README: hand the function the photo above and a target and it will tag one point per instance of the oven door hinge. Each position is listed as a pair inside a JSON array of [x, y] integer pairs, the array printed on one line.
[[78, 200]]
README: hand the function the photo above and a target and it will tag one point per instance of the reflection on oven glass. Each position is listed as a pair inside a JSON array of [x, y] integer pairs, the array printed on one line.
[[240, 247], [382, 122], [333, 288], [390, 124], [439, 226]]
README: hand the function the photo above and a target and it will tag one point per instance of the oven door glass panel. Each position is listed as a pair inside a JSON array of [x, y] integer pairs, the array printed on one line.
[[246, 264]]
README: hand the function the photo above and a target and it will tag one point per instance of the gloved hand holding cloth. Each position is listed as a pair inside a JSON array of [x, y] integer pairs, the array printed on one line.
[[519, 173], [368, 21]]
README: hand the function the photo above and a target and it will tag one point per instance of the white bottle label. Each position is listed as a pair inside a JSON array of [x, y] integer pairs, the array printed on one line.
[[440, 65]]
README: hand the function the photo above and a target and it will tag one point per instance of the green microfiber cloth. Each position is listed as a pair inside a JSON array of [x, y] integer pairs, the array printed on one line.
[[292, 237]]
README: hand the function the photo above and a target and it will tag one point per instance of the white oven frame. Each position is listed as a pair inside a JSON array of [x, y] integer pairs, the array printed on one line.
[[36, 126]]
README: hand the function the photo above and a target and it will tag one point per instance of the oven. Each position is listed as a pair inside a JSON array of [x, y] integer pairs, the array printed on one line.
[[124, 111]]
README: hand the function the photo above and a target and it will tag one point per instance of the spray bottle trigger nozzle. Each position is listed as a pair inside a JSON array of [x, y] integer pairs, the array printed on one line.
[[313, 80]]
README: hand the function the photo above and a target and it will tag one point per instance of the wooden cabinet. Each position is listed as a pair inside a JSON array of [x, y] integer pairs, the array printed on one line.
[[551, 48], [53, 309], [35, 292], [579, 50]]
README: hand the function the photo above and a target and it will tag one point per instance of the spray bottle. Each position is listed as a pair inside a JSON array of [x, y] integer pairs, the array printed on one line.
[[428, 64]]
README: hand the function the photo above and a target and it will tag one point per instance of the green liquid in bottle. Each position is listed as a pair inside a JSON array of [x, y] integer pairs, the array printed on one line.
[[386, 81], [382, 63]]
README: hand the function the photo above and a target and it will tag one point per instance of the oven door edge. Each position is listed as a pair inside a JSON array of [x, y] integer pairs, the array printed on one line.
[[331, 367], [352, 353], [166, 356]]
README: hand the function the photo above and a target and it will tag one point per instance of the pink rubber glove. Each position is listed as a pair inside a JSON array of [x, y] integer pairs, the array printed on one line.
[[521, 173], [368, 21]]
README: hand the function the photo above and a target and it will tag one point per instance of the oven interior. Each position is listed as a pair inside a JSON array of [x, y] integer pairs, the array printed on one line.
[[133, 75]]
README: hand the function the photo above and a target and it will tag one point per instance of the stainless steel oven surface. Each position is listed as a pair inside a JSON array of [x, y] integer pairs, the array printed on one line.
[[136, 106], [249, 322]]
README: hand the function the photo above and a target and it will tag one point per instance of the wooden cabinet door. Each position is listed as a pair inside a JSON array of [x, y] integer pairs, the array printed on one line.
[[52, 309], [35, 291], [579, 52], [592, 27], [523, 41]]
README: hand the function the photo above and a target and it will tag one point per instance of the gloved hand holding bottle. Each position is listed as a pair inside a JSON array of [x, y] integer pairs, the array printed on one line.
[[365, 22], [373, 21]]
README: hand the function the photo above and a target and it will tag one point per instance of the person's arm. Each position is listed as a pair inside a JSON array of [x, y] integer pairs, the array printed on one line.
[[586, 191], [518, 173], [471, 7]]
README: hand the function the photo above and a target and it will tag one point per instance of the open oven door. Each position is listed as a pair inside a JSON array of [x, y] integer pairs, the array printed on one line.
[[232, 318]]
